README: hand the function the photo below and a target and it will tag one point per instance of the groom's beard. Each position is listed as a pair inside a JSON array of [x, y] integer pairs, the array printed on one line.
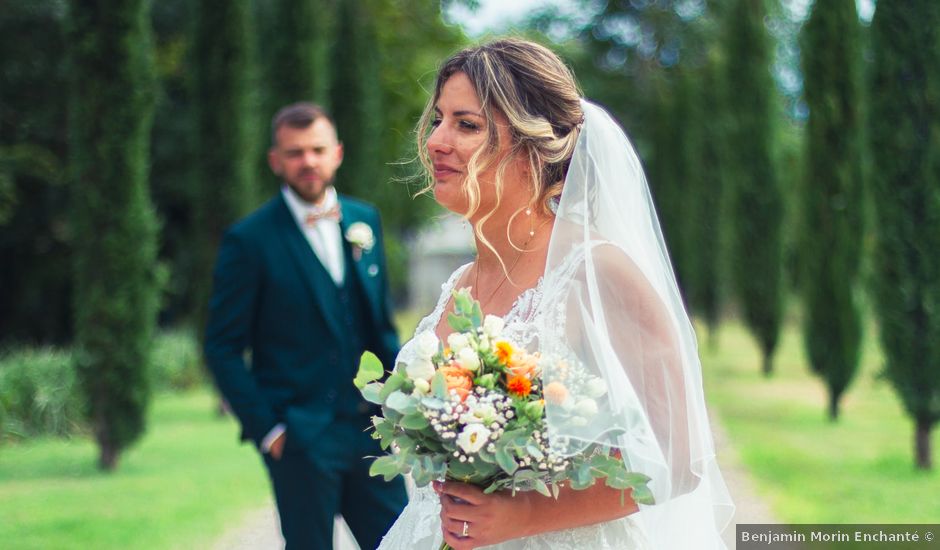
[[310, 191]]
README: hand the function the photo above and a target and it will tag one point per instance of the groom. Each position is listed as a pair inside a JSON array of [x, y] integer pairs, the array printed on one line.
[[300, 285]]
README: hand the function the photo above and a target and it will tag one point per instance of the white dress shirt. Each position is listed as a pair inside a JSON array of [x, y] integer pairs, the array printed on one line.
[[324, 235]]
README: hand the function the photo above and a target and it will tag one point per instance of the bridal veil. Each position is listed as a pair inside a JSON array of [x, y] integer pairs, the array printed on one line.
[[616, 309]]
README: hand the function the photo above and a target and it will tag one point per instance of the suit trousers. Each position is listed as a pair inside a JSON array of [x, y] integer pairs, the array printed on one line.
[[311, 486]]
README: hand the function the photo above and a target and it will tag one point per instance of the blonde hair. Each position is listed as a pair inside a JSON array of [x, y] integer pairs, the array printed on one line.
[[538, 94]]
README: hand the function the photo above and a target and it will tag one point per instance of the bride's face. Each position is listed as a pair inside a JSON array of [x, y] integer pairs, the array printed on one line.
[[460, 130]]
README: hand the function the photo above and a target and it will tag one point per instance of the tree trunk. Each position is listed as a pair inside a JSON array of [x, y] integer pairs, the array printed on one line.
[[833, 406], [768, 367], [108, 457], [922, 444]]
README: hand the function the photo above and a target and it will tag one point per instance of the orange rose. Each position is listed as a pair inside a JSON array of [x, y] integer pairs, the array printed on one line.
[[458, 379], [522, 364]]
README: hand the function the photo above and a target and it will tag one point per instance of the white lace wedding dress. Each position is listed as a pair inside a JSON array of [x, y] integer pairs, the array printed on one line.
[[419, 525]]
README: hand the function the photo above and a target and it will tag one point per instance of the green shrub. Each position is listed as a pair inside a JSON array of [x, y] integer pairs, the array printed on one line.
[[38, 394], [175, 361]]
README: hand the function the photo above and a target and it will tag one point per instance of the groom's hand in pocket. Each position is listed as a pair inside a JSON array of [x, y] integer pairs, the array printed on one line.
[[277, 446]]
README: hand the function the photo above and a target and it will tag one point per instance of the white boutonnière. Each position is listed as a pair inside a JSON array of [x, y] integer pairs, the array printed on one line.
[[361, 237]]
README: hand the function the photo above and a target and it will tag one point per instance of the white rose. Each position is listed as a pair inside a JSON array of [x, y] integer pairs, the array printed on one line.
[[457, 341], [587, 407], [468, 359], [426, 344], [422, 386], [473, 437], [493, 325], [420, 369], [360, 234], [480, 414], [595, 388]]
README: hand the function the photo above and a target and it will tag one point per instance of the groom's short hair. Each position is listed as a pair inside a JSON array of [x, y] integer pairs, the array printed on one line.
[[298, 115]]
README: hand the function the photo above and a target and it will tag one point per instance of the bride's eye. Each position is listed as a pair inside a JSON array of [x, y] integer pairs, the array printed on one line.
[[467, 125], [435, 123]]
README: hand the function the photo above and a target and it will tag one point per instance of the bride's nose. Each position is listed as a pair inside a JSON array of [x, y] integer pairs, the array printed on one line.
[[438, 142]]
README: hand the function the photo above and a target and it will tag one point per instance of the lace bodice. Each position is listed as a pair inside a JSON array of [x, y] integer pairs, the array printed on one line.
[[419, 525], [521, 321]]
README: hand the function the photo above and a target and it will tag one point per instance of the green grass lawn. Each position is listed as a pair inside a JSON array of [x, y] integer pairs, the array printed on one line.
[[859, 469], [181, 486]]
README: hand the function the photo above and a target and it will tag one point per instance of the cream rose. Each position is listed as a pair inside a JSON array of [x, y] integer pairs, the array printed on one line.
[[457, 341], [493, 325], [420, 369], [426, 344], [468, 359]]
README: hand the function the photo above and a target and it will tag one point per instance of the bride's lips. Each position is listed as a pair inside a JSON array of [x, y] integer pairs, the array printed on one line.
[[442, 171]]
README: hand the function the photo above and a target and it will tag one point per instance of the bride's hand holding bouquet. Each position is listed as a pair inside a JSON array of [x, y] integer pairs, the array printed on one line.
[[473, 411]]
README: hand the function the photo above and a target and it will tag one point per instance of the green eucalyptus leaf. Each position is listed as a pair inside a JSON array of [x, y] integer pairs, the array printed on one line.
[[506, 461], [642, 495], [394, 382], [386, 466], [459, 324], [463, 302], [439, 386], [372, 393], [414, 421], [370, 369], [541, 487], [476, 316], [398, 401], [534, 452]]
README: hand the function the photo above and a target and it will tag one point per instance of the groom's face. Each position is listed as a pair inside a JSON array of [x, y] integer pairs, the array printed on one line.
[[307, 158]]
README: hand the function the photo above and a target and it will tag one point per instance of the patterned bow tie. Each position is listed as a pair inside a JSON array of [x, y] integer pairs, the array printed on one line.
[[329, 214]]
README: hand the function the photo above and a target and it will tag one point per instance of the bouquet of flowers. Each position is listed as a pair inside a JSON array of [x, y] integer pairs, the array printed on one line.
[[473, 410]]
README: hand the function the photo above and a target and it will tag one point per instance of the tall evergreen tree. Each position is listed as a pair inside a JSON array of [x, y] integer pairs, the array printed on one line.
[[756, 206], [832, 194], [227, 135], [669, 167], [294, 47], [356, 99], [905, 140], [115, 282], [35, 245], [706, 182]]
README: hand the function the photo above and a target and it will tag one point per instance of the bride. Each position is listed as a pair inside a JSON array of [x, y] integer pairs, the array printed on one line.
[[570, 253]]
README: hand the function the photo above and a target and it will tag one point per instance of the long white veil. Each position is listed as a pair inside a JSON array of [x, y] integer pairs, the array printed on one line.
[[617, 310]]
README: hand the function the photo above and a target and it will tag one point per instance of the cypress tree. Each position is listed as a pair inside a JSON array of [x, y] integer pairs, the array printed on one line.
[[115, 282], [706, 184], [832, 194], [756, 205], [905, 140], [356, 98], [227, 136], [294, 48], [670, 167]]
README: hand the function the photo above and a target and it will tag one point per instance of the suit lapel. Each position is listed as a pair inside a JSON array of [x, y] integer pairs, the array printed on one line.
[[312, 271], [366, 263]]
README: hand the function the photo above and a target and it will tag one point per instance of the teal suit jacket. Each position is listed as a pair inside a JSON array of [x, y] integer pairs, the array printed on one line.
[[273, 298]]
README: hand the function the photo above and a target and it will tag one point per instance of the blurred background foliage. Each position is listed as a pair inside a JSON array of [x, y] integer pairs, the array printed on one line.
[[732, 105]]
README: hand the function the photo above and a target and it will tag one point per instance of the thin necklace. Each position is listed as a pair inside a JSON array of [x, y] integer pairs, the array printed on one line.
[[476, 275]]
